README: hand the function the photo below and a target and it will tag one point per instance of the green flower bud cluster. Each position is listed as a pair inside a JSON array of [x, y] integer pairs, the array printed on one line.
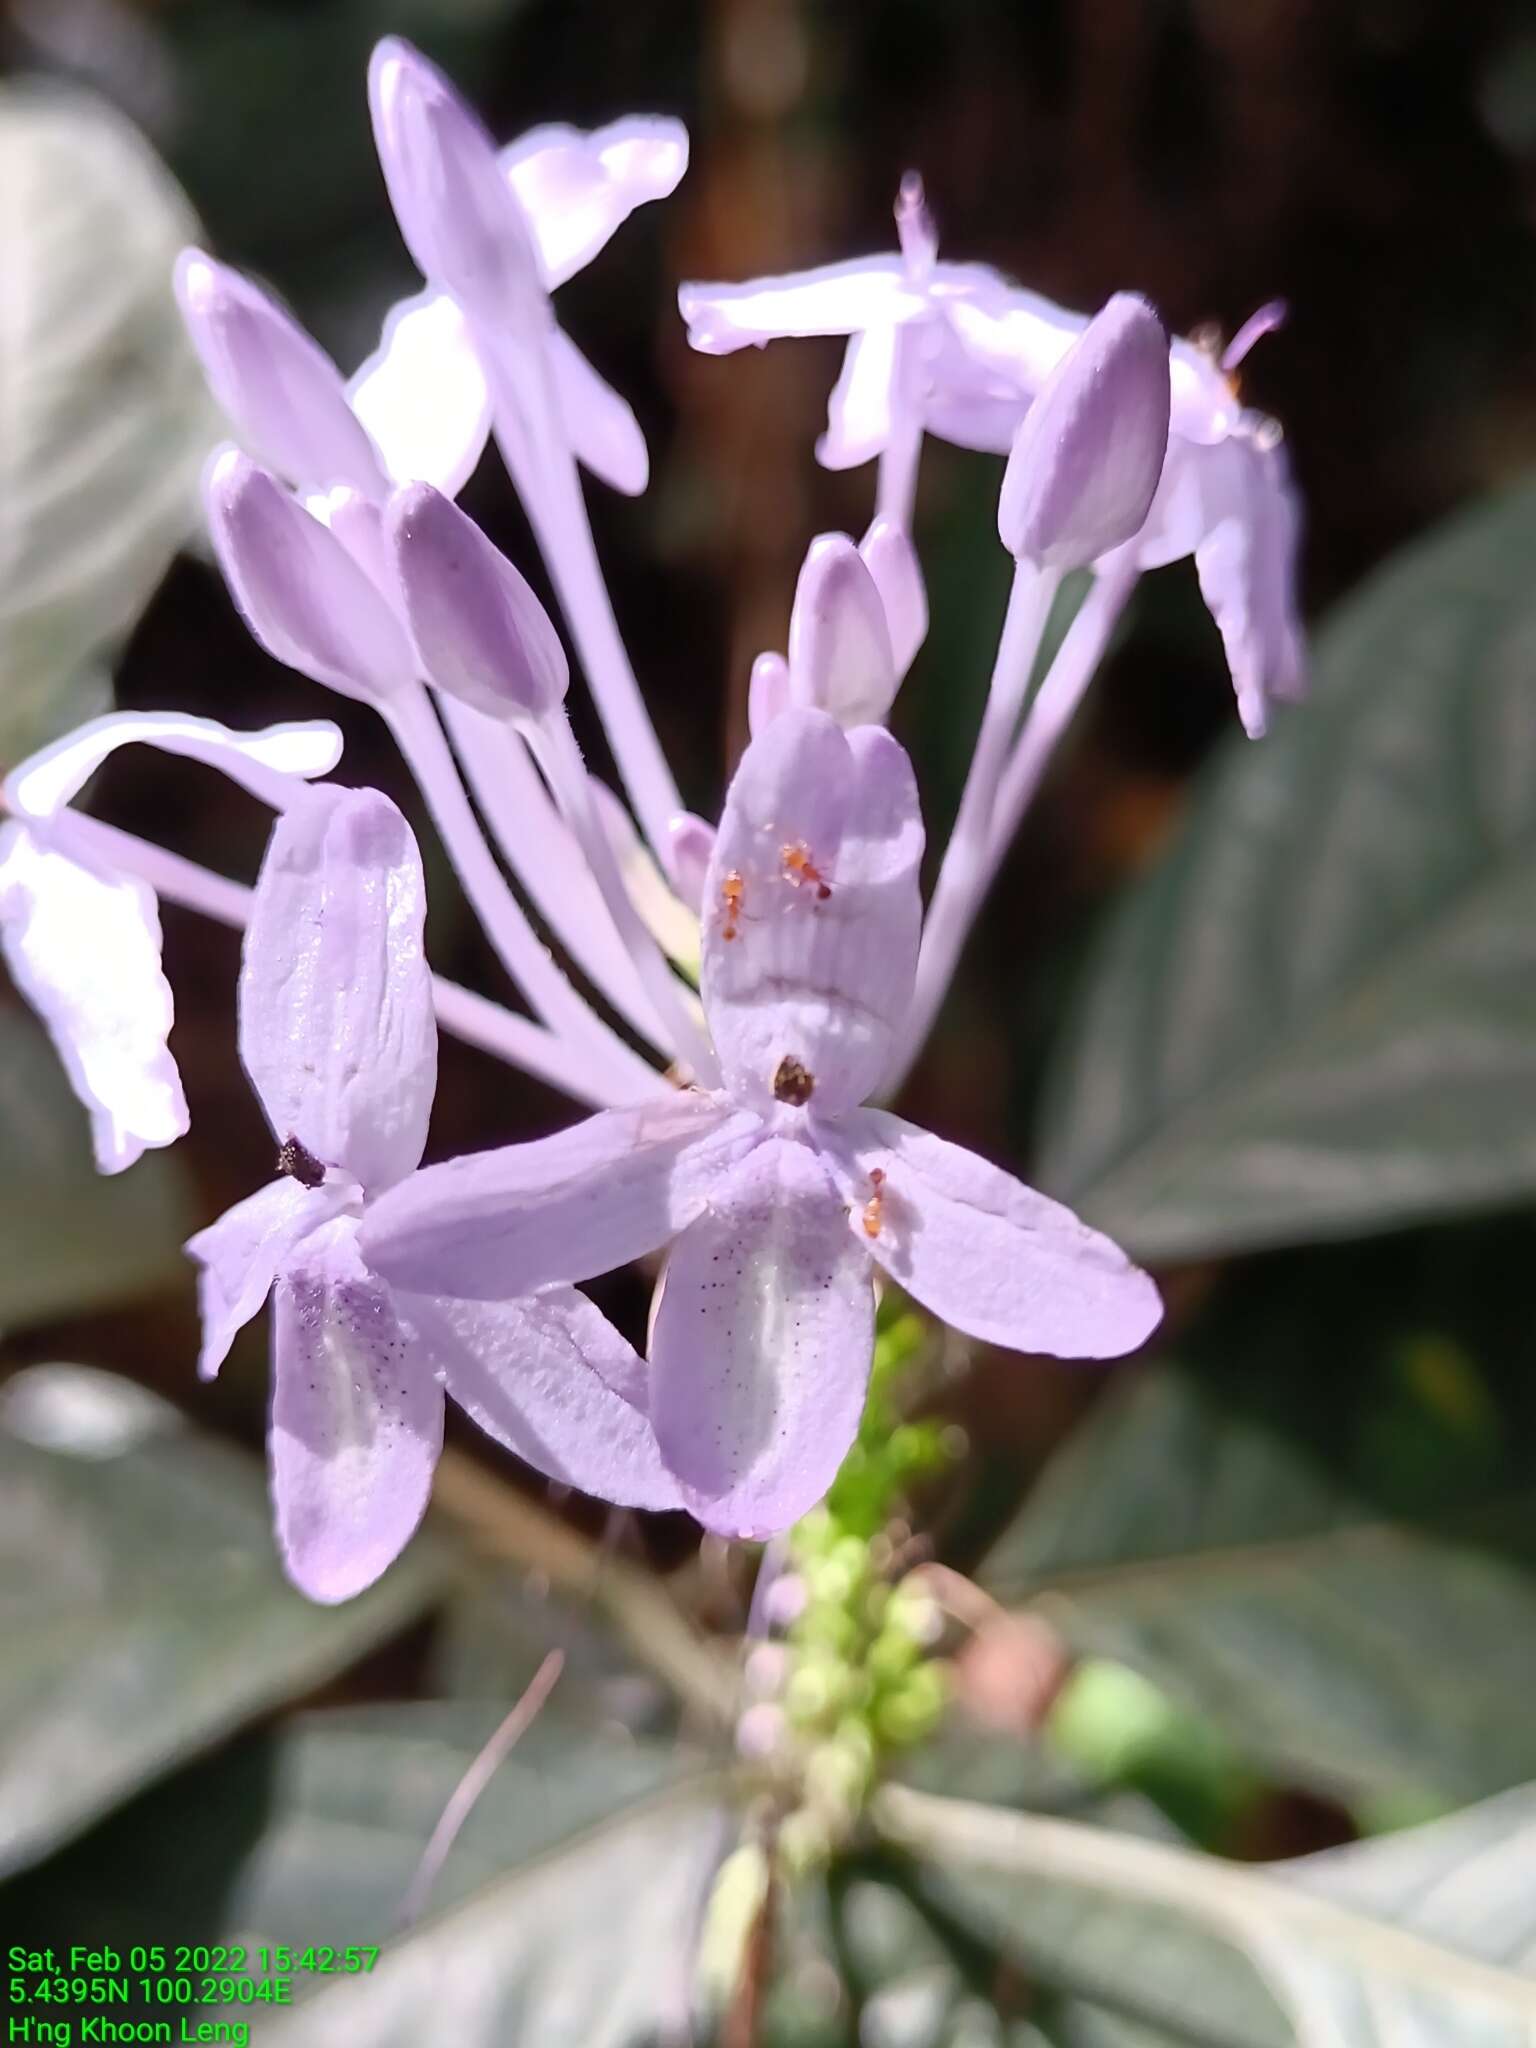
[[861, 1680]]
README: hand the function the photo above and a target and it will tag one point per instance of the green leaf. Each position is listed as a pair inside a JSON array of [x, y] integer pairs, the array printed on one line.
[[1320, 1531], [1316, 1016], [106, 417], [141, 1602], [1424, 1937], [584, 1934], [72, 1239]]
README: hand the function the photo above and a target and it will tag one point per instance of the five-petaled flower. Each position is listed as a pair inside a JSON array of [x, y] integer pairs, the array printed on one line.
[[338, 1038], [956, 350], [779, 1192]]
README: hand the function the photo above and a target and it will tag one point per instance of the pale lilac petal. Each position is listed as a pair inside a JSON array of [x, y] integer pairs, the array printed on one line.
[[840, 658], [279, 387], [575, 188], [1233, 506], [241, 1254], [1087, 460], [690, 847], [601, 428], [892, 560], [1018, 335], [986, 1254], [969, 402], [84, 949], [498, 1224], [357, 1420], [761, 1345], [457, 214], [551, 1378], [768, 692], [261, 761], [839, 298], [481, 633], [1247, 569], [298, 589], [812, 914], [336, 1024], [859, 410], [422, 395]]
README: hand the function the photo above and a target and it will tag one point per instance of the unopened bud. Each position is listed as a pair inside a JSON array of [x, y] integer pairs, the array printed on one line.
[[840, 658], [456, 210], [1087, 458], [300, 592], [283, 393], [481, 633]]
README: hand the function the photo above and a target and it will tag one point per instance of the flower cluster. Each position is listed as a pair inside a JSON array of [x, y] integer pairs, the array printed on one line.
[[751, 990]]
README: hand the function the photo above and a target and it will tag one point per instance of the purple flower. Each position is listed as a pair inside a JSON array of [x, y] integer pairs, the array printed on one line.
[[956, 350], [81, 936], [418, 409], [539, 210], [338, 1038], [907, 365], [779, 1192]]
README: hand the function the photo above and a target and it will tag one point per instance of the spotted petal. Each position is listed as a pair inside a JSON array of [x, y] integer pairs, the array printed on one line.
[[83, 946], [761, 1345], [241, 1254], [988, 1255], [812, 913], [498, 1224], [550, 1377], [336, 1024], [357, 1420]]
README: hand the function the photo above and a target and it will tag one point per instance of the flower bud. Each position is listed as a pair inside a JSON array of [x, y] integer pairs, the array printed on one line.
[[840, 658], [767, 692], [887, 552], [457, 212], [279, 387], [481, 633], [690, 843], [1087, 458], [301, 593]]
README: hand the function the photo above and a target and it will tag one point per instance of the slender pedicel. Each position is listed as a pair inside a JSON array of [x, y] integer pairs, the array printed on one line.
[[617, 1069], [544, 858], [474, 1018]]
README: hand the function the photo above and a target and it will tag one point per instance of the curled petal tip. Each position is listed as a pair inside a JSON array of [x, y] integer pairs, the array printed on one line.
[[1267, 320]]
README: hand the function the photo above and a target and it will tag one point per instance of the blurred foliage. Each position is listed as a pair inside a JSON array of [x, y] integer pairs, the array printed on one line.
[[71, 1238], [143, 1604], [107, 420], [1316, 1015]]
